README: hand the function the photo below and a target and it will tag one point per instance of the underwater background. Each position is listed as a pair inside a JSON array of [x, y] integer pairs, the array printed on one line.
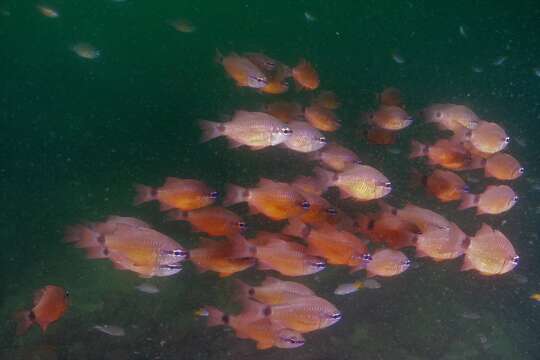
[[76, 134]]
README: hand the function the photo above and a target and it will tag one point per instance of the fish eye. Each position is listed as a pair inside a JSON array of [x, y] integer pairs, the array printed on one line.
[[515, 260], [286, 130], [322, 139], [242, 225], [66, 293], [319, 262], [507, 139], [213, 195], [409, 119], [466, 189], [335, 316], [407, 262], [171, 267], [305, 205], [367, 257], [358, 162], [179, 253], [331, 211], [438, 114], [521, 170], [387, 184], [516, 198]]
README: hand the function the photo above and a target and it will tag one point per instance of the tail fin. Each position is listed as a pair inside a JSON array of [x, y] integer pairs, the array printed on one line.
[[468, 201], [24, 321], [242, 290], [325, 177], [235, 194], [240, 248], [144, 194], [176, 215], [99, 252], [418, 149], [296, 228], [82, 236], [210, 129], [216, 317]]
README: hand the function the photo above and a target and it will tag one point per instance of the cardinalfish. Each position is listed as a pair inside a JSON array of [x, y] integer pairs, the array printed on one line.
[[304, 138], [213, 220], [307, 184], [349, 288], [392, 118], [360, 182], [276, 252], [490, 253], [445, 185], [273, 291], [277, 80], [285, 111], [389, 229], [254, 129], [448, 154], [276, 200], [183, 25], [495, 199], [86, 51], [441, 244], [336, 157], [47, 11], [327, 99], [244, 72], [322, 118], [224, 257], [182, 194], [487, 137], [502, 167], [320, 211], [390, 96], [263, 331], [385, 263], [50, 304], [422, 218], [305, 76], [131, 245], [451, 117]]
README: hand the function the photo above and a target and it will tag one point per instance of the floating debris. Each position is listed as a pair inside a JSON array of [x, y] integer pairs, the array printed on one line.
[[471, 315], [463, 31], [537, 71], [477, 69], [110, 330], [309, 17], [500, 60], [183, 25], [147, 288], [396, 56], [86, 51]]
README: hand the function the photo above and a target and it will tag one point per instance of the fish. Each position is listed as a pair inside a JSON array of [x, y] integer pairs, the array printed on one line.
[[535, 297], [440, 244], [379, 136], [276, 252], [285, 111], [264, 331], [495, 199], [386, 263], [50, 304], [349, 288], [445, 153], [182, 194], [391, 118], [490, 253], [48, 11], [305, 75], [86, 51], [112, 330], [321, 118], [277, 83], [503, 166], [254, 129], [320, 211], [242, 70], [147, 288], [536, 71], [392, 230], [360, 182], [487, 137], [398, 58], [307, 184], [390, 96], [336, 157], [328, 100], [422, 218], [213, 220], [304, 138], [183, 25], [262, 61], [224, 257], [445, 185], [451, 117], [273, 291], [276, 200]]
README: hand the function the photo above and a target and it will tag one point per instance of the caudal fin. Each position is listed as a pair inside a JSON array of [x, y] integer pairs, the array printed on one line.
[[216, 317], [326, 178], [296, 228], [210, 129], [144, 194], [468, 201], [235, 194], [418, 149], [24, 321]]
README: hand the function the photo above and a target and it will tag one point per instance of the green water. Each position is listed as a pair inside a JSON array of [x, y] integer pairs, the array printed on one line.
[[76, 134]]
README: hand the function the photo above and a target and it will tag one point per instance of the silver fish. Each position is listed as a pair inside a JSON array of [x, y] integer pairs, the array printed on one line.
[[110, 330]]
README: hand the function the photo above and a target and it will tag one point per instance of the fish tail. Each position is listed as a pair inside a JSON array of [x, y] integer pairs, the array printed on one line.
[[216, 317], [296, 228], [417, 149], [82, 236], [240, 248], [325, 177], [144, 194], [25, 319], [97, 252], [468, 201], [210, 130], [176, 215], [234, 194]]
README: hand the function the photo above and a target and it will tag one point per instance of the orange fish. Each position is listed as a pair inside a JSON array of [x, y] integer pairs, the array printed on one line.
[[262, 61], [376, 135], [242, 71], [328, 100], [276, 252], [448, 154], [502, 167], [321, 118], [487, 137], [441, 244], [391, 97], [305, 75], [451, 117], [320, 211], [360, 182], [213, 220], [337, 247], [304, 138], [422, 218], [273, 291], [389, 229], [336, 157], [183, 194], [285, 111], [47, 11], [224, 257], [495, 199], [391, 118], [265, 332], [276, 200], [445, 185], [254, 129], [277, 83], [490, 253], [307, 184], [50, 304], [387, 262]]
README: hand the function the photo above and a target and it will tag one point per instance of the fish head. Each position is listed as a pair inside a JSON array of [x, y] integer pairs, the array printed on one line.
[[383, 188], [257, 81], [173, 256], [315, 264], [241, 226], [330, 318], [518, 172], [168, 270], [212, 195], [289, 339]]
